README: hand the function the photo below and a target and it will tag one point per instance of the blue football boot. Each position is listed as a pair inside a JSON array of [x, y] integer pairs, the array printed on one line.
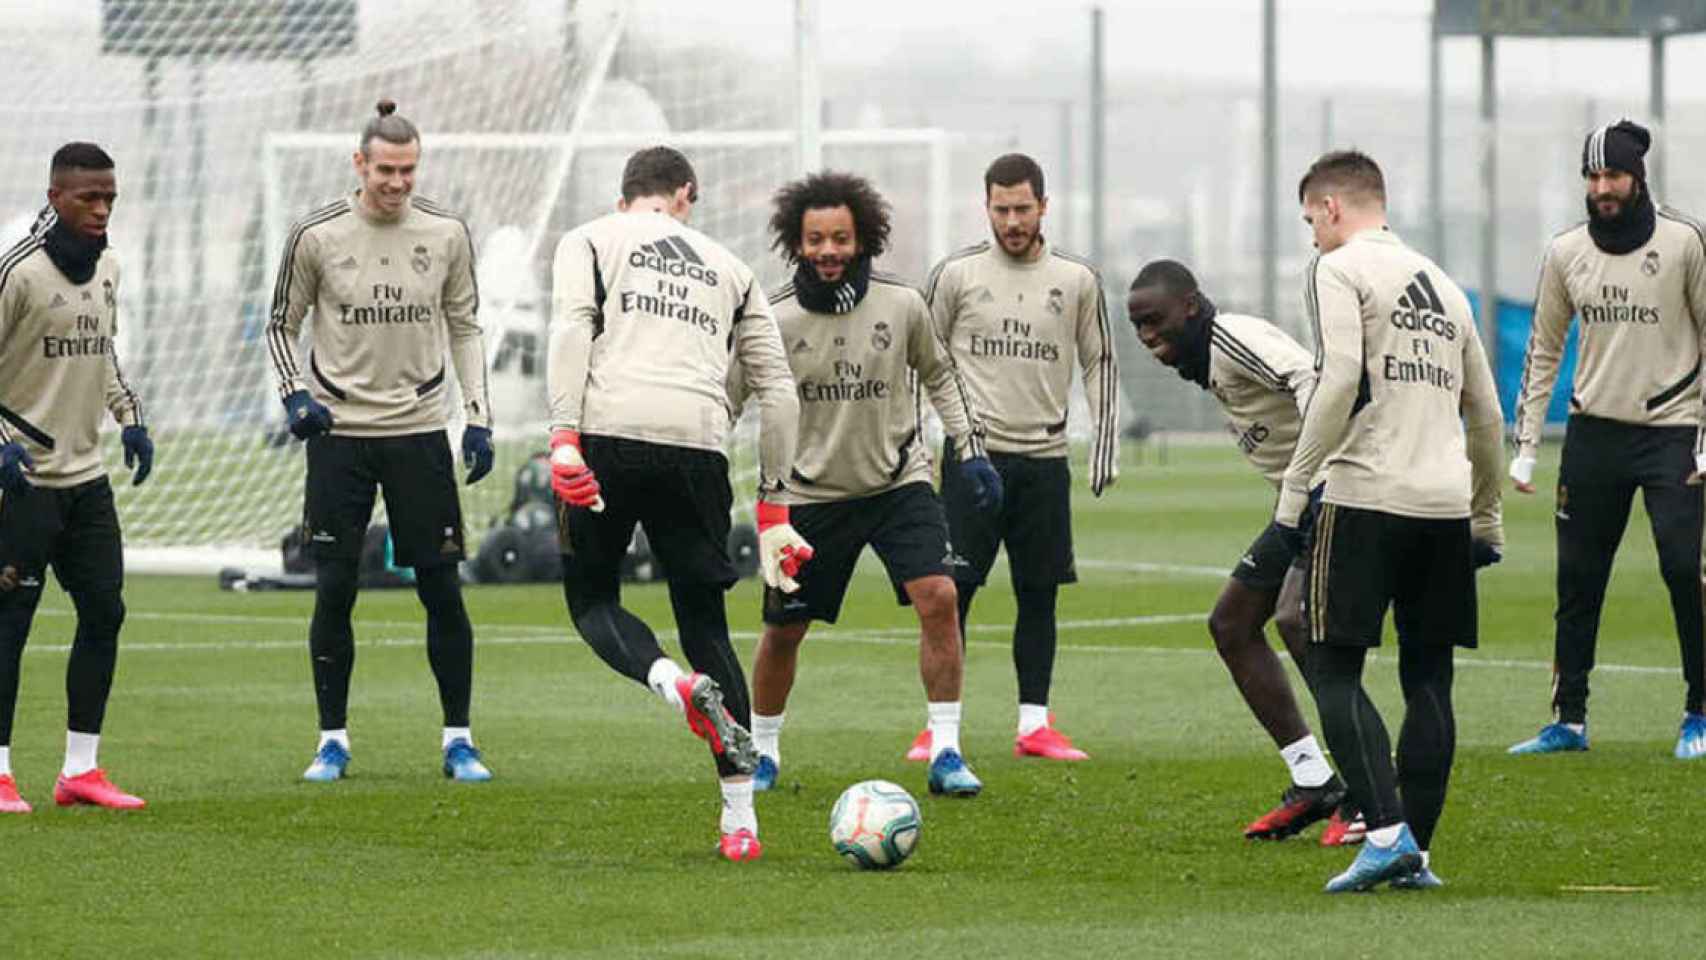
[[1423, 879], [764, 775], [950, 775], [1691, 743], [1555, 738], [329, 763], [1375, 865], [462, 762]]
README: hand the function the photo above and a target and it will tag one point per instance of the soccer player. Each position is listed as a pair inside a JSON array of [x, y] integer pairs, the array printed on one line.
[[650, 319], [58, 373], [1635, 273], [1014, 314], [1263, 380], [862, 349], [1403, 428], [389, 277]]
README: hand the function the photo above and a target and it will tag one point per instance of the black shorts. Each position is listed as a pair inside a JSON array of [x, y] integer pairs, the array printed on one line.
[[1263, 567], [73, 529], [1364, 560], [1035, 521], [418, 478], [904, 526], [678, 495]]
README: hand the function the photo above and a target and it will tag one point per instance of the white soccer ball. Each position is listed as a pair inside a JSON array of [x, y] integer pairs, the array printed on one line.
[[875, 825]]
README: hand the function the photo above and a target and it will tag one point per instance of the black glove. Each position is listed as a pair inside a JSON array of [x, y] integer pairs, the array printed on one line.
[[308, 416], [1486, 554], [13, 460], [138, 453], [477, 452]]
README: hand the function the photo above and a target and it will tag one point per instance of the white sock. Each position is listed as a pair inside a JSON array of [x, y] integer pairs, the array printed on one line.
[[1032, 717], [457, 733], [661, 678], [1308, 767], [767, 735], [5, 761], [340, 736], [1576, 727], [1385, 836], [737, 806], [80, 752], [944, 727], [1425, 860]]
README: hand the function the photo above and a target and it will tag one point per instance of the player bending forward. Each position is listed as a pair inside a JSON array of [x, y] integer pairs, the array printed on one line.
[[648, 316], [859, 342], [1263, 380], [1404, 430]]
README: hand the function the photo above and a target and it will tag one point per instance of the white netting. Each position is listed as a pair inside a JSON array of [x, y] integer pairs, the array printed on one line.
[[229, 120]]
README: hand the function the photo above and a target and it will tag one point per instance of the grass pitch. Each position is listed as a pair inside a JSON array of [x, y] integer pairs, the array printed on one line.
[[597, 837]]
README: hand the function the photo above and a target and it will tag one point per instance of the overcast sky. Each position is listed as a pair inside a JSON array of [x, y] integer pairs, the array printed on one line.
[[1323, 43]]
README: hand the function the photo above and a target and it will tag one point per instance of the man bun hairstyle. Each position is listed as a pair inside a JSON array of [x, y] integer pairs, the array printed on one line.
[[1617, 146], [1170, 275], [1343, 172], [80, 155], [389, 126], [1012, 169], [658, 172], [823, 191]]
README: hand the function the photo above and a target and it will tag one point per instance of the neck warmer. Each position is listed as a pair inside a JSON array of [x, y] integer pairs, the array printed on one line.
[[839, 297], [1193, 344], [74, 254], [1627, 231]]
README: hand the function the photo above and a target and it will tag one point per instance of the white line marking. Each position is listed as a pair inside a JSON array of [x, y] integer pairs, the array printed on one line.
[[1186, 569], [541, 635]]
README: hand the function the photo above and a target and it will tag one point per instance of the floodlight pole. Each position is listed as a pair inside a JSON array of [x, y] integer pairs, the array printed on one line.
[[1656, 112], [1489, 202], [1436, 144], [1270, 162], [808, 151], [1098, 143]]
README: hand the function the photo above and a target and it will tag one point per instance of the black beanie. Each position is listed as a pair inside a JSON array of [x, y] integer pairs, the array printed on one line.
[[1619, 146]]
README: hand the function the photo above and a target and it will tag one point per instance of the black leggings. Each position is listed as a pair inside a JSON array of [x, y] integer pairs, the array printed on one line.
[[1414, 791]]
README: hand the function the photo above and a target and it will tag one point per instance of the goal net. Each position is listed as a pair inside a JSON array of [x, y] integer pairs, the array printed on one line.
[[229, 120]]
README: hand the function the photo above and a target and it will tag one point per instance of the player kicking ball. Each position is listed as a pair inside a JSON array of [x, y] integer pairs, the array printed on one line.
[[60, 286], [649, 320], [1263, 380], [861, 345]]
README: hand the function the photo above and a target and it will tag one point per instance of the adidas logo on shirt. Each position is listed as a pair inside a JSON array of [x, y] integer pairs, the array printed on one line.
[[672, 257], [1419, 308], [348, 263], [57, 301]]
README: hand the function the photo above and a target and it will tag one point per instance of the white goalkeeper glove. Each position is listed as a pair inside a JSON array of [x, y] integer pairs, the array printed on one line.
[[781, 549]]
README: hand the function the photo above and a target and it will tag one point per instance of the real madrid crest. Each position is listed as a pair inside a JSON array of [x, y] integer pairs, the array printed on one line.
[[880, 336], [421, 259], [107, 292], [1650, 263], [1056, 301]]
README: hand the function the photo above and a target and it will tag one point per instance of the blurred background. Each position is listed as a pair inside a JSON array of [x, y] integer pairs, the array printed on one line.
[[1165, 127]]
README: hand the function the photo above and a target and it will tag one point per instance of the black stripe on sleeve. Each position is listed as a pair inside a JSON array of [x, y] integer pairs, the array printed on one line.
[[1246, 357]]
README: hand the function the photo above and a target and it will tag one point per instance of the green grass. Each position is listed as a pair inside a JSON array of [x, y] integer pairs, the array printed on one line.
[[597, 837]]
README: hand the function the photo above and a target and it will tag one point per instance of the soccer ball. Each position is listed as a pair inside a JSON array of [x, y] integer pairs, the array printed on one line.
[[875, 825]]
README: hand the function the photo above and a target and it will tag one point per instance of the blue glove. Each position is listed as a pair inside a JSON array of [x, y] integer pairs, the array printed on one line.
[[308, 417], [138, 453], [13, 459], [477, 453], [985, 483]]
